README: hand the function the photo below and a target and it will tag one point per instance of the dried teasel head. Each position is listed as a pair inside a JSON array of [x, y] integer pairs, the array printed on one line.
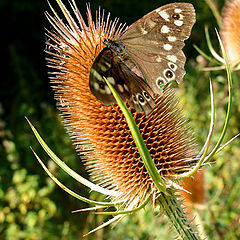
[[100, 132], [230, 30], [194, 197]]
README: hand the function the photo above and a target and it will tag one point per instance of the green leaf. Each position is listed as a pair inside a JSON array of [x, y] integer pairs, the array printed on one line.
[[142, 148]]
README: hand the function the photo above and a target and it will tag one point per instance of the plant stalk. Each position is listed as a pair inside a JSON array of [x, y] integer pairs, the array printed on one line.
[[173, 210]]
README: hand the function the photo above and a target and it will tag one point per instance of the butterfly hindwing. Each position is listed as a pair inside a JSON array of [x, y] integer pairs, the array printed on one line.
[[142, 96]]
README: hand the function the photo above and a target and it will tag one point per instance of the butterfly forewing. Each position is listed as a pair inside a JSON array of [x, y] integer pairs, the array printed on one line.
[[155, 42], [131, 88]]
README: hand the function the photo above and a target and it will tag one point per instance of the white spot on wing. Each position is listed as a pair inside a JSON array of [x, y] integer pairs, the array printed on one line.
[[108, 91], [111, 80], [103, 67], [167, 47], [164, 29], [108, 64], [163, 14], [102, 91], [96, 74], [158, 59], [151, 24], [96, 86], [172, 39], [144, 31], [178, 23], [120, 88], [178, 10], [172, 58], [126, 87]]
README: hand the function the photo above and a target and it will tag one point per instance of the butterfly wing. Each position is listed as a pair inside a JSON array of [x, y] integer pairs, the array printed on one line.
[[103, 67], [155, 43], [131, 88]]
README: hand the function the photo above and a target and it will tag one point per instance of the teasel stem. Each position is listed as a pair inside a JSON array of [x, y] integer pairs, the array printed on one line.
[[175, 213], [229, 107], [200, 226], [215, 11]]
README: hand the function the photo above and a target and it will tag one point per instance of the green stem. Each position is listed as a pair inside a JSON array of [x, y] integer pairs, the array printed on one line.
[[227, 119], [172, 208], [215, 11]]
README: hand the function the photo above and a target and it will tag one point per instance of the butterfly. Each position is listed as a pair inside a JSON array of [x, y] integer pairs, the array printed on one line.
[[144, 58]]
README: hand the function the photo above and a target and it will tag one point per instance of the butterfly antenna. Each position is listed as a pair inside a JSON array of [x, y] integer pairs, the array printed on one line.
[[95, 52]]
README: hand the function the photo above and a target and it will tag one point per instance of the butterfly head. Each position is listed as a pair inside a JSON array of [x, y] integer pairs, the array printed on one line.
[[115, 46]]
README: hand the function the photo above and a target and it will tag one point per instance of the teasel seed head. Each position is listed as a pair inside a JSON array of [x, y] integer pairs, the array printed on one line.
[[230, 30], [101, 133], [194, 197]]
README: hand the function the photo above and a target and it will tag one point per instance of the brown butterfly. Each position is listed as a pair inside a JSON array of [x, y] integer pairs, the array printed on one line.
[[145, 57]]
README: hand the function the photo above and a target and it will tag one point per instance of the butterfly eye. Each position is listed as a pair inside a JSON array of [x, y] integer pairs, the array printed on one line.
[[141, 99], [146, 95], [120, 88], [104, 40], [168, 74]]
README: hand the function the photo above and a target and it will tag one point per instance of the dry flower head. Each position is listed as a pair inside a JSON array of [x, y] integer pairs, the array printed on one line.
[[100, 133], [230, 30]]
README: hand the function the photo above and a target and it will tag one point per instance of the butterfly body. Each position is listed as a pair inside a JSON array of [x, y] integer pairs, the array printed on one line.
[[116, 47], [148, 53]]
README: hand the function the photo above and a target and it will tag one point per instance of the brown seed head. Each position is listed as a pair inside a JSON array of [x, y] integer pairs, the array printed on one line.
[[101, 132], [196, 186], [230, 30]]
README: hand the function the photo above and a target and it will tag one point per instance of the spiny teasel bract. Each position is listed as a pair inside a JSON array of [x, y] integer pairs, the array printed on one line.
[[101, 132], [230, 30]]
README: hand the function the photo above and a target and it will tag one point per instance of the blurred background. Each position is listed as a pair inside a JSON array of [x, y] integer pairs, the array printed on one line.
[[31, 206]]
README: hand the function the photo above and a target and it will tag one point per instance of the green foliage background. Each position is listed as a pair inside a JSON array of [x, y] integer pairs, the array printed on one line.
[[31, 206]]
